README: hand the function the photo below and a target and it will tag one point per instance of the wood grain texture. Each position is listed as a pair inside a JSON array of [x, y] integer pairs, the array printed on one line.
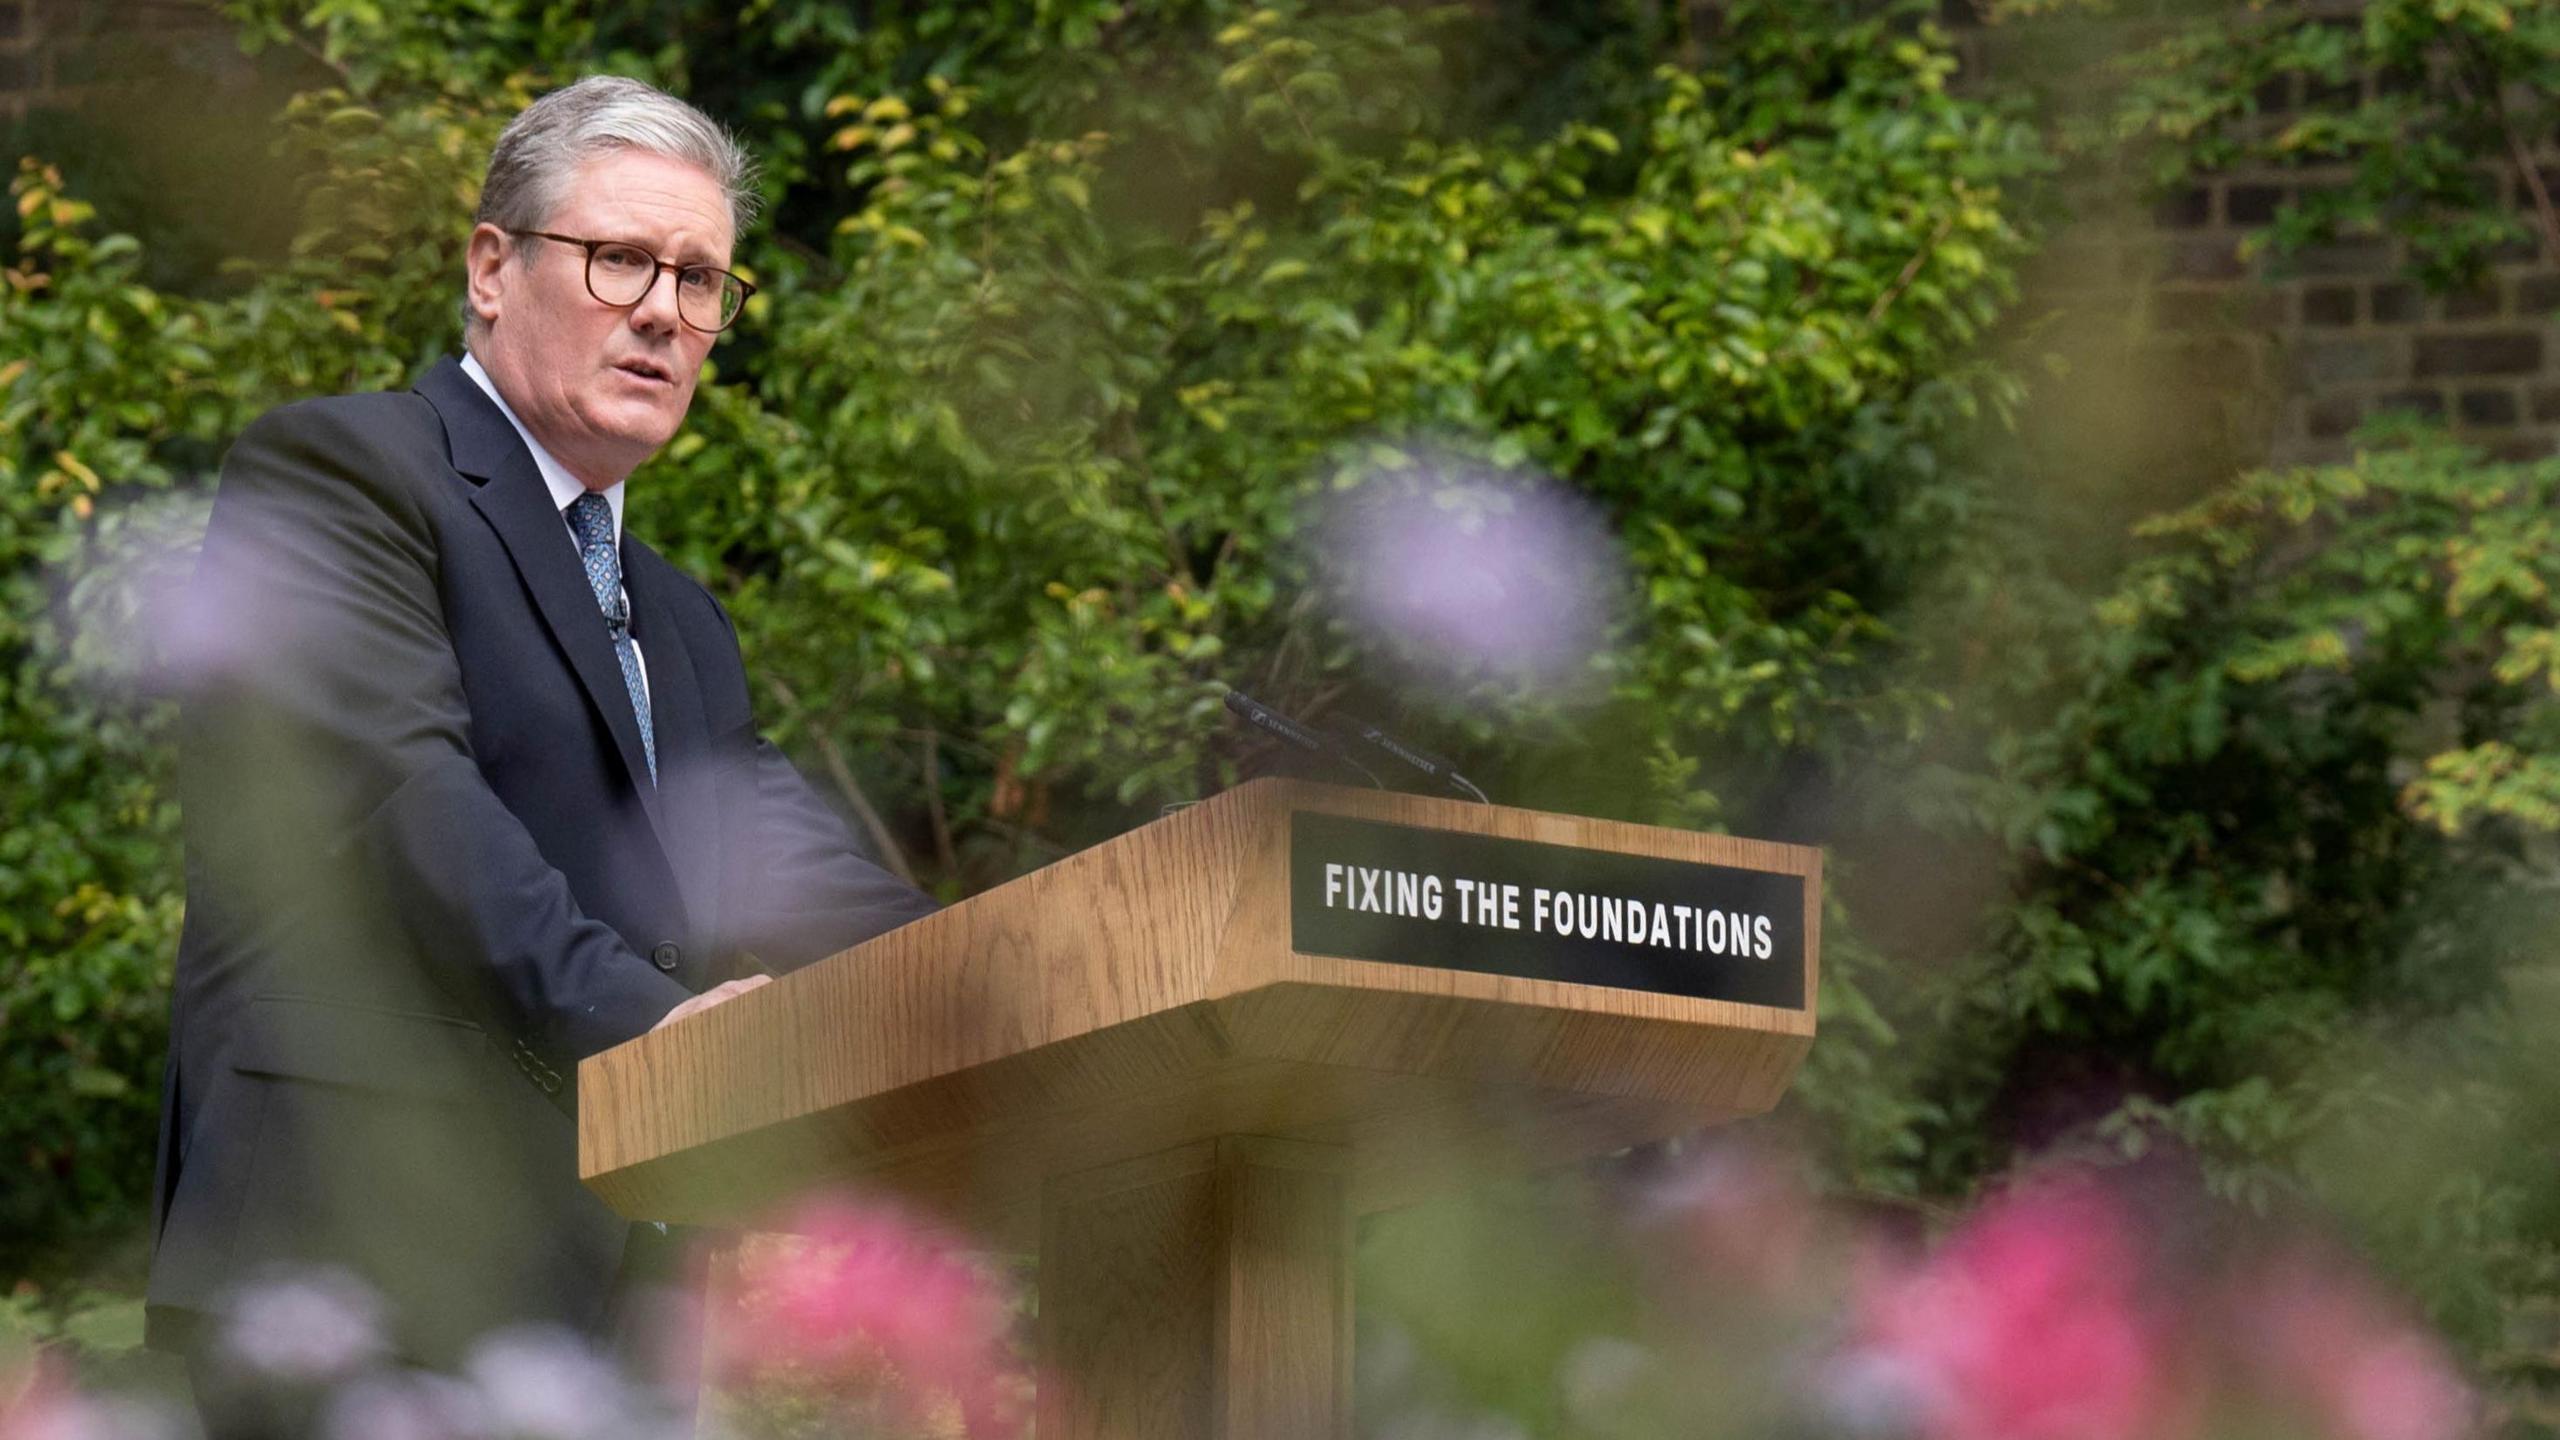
[[1280, 1337], [1143, 995], [1128, 1280], [1202, 1291]]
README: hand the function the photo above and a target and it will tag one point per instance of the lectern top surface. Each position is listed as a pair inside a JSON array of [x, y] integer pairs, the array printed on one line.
[[1267, 962]]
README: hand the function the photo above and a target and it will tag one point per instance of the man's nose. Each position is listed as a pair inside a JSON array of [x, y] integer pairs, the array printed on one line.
[[654, 312]]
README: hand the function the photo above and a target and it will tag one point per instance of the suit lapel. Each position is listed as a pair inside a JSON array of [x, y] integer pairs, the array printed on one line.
[[687, 775], [512, 497]]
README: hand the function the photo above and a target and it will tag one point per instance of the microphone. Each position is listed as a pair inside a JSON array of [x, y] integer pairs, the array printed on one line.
[[1422, 760], [1263, 717]]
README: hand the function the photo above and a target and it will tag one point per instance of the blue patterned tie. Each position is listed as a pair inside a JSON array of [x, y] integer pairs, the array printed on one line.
[[591, 520]]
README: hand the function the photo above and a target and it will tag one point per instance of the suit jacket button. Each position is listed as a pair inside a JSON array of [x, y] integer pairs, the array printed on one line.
[[666, 955]]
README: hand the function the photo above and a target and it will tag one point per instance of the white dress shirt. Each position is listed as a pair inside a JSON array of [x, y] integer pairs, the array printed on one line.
[[565, 489]]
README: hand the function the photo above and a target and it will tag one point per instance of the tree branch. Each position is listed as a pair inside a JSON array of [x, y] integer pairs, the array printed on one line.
[[1910, 270], [346, 77], [2486, 75], [931, 746], [831, 755]]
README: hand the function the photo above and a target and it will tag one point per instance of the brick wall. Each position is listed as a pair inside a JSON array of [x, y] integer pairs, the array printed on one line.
[[56, 53], [19, 71], [2280, 358], [2350, 336]]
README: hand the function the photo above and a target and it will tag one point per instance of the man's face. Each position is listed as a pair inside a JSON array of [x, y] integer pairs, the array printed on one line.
[[601, 386]]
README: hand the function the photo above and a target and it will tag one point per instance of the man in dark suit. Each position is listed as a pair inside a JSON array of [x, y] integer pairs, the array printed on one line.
[[471, 783]]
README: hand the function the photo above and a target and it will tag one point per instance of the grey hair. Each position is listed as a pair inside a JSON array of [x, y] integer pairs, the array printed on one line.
[[541, 151]]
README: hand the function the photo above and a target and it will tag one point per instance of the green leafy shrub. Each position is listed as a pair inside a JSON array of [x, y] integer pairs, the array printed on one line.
[[2275, 835], [1071, 318]]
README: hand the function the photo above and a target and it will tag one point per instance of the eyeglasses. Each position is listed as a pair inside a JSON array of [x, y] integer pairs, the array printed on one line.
[[621, 274]]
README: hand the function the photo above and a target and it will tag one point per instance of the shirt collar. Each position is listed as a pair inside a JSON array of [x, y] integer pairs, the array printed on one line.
[[565, 487]]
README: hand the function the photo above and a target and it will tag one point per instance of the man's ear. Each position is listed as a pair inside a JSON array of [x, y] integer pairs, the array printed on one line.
[[484, 268]]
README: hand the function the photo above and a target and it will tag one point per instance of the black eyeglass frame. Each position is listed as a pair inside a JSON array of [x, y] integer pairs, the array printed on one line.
[[746, 288]]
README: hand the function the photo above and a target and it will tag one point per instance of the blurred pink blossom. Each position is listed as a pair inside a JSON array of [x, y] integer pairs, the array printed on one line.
[[2321, 1340], [33, 1399], [860, 1285], [2027, 1324], [38, 1402]]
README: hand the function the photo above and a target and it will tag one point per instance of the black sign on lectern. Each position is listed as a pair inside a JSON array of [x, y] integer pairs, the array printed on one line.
[[1366, 890]]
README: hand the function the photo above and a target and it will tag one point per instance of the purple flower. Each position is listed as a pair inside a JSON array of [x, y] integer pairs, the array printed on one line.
[[397, 1405], [308, 1328], [539, 1383], [1741, 1213], [1468, 574]]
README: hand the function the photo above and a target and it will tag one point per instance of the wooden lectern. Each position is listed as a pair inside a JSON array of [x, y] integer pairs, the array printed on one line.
[[1181, 1062]]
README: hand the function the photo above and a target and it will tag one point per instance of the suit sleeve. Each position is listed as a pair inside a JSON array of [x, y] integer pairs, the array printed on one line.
[[794, 886], [799, 887], [327, 685]]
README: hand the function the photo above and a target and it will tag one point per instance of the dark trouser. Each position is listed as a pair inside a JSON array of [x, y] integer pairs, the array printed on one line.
[[230, 1409], [653, 1321]]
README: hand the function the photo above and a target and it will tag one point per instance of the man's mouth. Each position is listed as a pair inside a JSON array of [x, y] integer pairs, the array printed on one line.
[[646, 370]]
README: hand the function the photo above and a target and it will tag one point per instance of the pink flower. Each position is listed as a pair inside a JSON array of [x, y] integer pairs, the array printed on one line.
[[31, 1396], [2327, 1343], [859, 1286], [2026, 1325], [40, 1403]]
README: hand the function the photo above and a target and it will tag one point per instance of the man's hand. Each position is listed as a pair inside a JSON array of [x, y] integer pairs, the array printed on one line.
[[728, 990]]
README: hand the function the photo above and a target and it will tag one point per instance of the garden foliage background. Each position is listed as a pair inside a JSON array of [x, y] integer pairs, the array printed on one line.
[[2203, 816]]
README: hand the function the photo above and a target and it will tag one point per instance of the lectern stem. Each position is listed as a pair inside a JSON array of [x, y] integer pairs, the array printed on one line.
[[1203, 1291]]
